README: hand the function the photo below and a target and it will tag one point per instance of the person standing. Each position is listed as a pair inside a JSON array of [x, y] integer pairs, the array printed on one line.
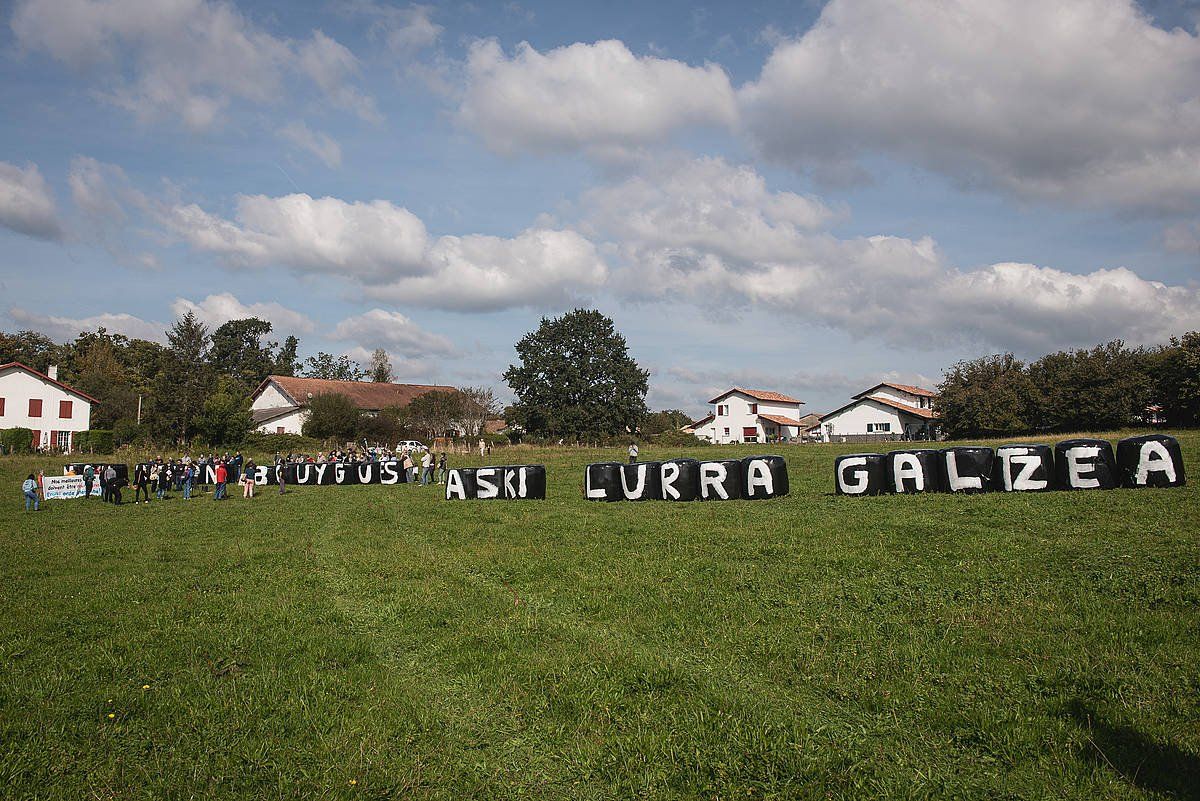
[[279, 464], [248, 479], [89, 478], [408, 468], [189, 478], [633, 452], [442, 469], [426, 468], [482, 448], [30, 488], [108, 485], [158, 479], [222, 477], [141, 478]]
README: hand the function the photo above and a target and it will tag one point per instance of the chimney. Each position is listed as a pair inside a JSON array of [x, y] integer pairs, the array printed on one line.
[[52, 373]]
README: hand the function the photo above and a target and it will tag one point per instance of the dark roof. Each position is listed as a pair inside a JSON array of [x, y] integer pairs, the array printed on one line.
[[260, 416], [370, 395], [45, 377], [911, 390], [759, 394]]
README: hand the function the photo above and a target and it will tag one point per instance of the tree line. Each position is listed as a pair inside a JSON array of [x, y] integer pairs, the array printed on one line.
[[1107, 387], [196, 387]]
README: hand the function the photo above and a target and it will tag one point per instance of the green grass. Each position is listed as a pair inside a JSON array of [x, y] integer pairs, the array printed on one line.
[[996, 646]]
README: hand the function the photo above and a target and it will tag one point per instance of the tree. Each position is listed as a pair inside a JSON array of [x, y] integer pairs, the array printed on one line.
[[434, 412], [30, 349], [332, 415], [287, 362], [479, 406], [225, 419], [576, 379], [183, 383], [1175, 372], [989, 396], [1091, 390], [238, 350], [380, 368], [98, 372], [323, 365], [664, 421]]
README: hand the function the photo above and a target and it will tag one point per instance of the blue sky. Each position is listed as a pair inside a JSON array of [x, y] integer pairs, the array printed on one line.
[[796, 196]]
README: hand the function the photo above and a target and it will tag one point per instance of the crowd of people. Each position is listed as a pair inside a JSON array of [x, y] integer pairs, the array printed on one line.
[[184, 474]]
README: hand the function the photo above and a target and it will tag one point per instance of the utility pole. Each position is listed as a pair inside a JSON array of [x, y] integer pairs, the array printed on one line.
[[139, 419]]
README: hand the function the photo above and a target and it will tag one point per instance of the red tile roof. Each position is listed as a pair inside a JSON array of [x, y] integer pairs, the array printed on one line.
[[926, 414], [368, 395], [911, 390], [780, 419], [45, 377], [759, 394]]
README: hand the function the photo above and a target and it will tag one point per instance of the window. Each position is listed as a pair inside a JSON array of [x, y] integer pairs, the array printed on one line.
[[1, 407], [878, 428], [64, 410], [278, 429], [35, 407], [722, 410], [64, 439], [754, 408], [727, 432]]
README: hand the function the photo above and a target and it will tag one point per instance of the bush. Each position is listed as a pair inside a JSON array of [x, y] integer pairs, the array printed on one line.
[[282, 443], [332, 416], [96, 440], [16, 440], [127, 432]]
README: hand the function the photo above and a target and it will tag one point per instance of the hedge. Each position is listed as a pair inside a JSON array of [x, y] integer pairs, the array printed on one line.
[[97, 440], [16, 440]]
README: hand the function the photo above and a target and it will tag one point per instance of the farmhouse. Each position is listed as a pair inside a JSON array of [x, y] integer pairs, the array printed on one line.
[[280, 403], [886, 411], [751, 415], [39, 401]]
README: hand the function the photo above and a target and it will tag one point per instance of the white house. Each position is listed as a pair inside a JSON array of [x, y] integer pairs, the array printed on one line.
[[751, 415], [55, 411], [885, 411], [280, 403]]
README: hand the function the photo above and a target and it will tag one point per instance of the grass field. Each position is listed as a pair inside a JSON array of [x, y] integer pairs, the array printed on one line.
[[374, 642]]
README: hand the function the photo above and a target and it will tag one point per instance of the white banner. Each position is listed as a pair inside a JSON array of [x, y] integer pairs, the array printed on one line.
[[62, 487]]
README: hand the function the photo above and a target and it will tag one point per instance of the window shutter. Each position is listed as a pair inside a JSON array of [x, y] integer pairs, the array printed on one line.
[[64, 409], [35, 407]]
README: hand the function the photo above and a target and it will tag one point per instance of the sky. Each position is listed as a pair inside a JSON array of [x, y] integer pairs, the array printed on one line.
[[797, 196]]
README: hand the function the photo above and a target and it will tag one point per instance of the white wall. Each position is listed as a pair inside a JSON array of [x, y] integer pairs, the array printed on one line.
[[854, 419], [740, 418], [18, 387], [291, 423], [272, 398]]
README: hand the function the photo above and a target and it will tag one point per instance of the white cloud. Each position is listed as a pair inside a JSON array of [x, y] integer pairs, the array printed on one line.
[[65, 329], [26, 205], [737, 254], [393, 332], [405, 30], [188, 59], [387, 249], [216, 310], [1083, 101], [371, 241], [315, 142], [418, 371], [587, 96]]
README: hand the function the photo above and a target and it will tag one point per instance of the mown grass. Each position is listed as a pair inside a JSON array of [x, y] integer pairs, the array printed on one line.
[[371, 642]]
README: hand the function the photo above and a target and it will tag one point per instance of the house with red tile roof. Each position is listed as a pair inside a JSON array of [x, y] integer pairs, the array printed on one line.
[[751, 415], [280, 403], [38, 401], [886, 411]]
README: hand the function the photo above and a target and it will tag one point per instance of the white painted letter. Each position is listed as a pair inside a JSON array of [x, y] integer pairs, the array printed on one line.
[[668, 481], [758, 474], [860, 485], [1077, 470], [906, 465], [454, 486], [1153, 458], [958, 482], [592, 494], [637, 491], [387, 473], [712, 474], [486, 489]]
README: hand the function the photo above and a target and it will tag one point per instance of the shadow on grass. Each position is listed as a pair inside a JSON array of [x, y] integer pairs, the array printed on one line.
[[1143, 762]]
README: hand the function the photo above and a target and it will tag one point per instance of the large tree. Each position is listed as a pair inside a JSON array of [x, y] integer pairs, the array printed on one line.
[[479, 406], [576, 379], [287, 361], [332, 416], [342, 368], [1100, 389], [239, 350], [1175, 371], [989, 396], [433, 413], [380, 369], [184, 380]]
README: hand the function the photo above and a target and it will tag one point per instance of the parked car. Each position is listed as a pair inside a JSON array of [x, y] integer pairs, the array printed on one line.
[[410, 444]]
